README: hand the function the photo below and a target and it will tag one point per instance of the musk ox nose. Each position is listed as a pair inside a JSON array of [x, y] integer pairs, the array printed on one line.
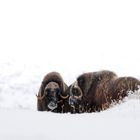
[[52, 105], [72, 100]]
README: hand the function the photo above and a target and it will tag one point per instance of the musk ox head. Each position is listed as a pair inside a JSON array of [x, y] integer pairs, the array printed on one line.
[[51, 93], [74, 101], [75, 94]]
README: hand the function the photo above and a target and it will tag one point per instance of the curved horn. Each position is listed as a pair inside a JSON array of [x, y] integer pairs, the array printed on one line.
[[64, 88], [64, 97], [40, 97], [81, 94]]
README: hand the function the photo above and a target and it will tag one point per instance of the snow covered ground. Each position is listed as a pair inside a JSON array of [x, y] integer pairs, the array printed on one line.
[[19, 118], [70, 37], [119, 122]]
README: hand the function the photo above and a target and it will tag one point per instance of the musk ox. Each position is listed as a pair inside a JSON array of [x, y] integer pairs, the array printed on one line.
[[51, 93], [74, 102], [122, 86], [96, 91], [90, 92]]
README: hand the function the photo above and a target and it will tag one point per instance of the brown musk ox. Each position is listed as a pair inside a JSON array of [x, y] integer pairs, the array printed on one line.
[[51, 93], [74, 102], [91, 92], [124, 85]]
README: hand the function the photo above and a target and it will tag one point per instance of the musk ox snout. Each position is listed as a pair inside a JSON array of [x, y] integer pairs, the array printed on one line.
[[72, 100], [52, 105]]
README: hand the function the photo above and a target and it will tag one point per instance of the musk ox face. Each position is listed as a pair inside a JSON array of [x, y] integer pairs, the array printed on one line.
[[75, 94], [52, 93]]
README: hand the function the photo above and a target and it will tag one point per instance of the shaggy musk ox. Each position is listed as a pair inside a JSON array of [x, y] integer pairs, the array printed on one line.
[[122, 86], [96, 91], [51, 93], [91, 92]]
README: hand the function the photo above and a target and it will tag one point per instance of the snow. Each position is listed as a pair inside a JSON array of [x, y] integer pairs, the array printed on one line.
[[119, 122], [20, 119], [70, 37]]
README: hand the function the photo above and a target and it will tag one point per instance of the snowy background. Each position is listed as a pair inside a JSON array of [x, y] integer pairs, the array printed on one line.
[[70, 37]]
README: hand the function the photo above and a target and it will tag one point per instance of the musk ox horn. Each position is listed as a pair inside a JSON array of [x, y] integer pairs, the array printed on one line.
[[40, 97]]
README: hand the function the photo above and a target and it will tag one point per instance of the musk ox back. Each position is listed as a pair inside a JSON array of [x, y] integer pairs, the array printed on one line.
[[103, 87], [122, 86], [99, 95], [51, 93]]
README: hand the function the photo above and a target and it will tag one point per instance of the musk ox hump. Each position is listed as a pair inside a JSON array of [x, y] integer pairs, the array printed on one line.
[[100, 90]]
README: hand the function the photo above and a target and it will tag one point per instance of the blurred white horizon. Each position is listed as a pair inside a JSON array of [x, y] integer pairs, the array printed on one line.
[[71, 37]]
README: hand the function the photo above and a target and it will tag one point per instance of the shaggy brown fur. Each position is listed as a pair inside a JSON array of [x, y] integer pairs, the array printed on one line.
[[51, 81], [99, 90], [98, 95], [122, 86], [95, 88]]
